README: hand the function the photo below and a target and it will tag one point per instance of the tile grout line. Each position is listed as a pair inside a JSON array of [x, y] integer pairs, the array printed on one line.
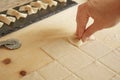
[[66, 77], [84, 66], [100, 61], [108, 67], [82, 51], [105, 64], [87, 54], [94, 57], [105, 44], [47, 54], [60, 64], [72, 71], [69, 76], [42, 76], [33, 72]]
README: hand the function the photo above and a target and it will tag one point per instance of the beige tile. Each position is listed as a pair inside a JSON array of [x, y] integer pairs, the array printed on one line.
[[112, 60], [113, 40], [110, 36], [29, 61], [118, 49], [75, 61], [95, 49], [117, 77], [105, 33], [95, 71], [59, 48], [72, 77], [102, 34], [33, 76], [54, 71], [36, 57]]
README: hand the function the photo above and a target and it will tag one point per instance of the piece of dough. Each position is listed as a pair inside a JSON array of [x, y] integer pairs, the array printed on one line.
[[74, 41], [4, 19], [15, 13], [50, 2], [29, 9], [53, 3], [44, 5], [62, 0], [36, 4], [3, 15], [12, 19], [1, 24], [39, 4], [47, 1]]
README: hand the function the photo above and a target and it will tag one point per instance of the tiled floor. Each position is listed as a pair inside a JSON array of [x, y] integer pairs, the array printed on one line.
[[47, 55]]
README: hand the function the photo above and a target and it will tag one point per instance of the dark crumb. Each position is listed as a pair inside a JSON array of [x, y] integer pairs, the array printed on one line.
[[7, 61], [22, 73]]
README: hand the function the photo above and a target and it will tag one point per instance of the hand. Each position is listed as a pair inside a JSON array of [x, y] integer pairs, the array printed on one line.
[[103, 18]]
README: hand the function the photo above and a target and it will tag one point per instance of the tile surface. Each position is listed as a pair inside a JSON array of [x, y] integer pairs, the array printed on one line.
[[112, 60], [33, 76], [28, 61], [95, 49], [113, 39], [117, 77], [95, 71], [59, 48], [72, 77], [54, 71], [75, 61]]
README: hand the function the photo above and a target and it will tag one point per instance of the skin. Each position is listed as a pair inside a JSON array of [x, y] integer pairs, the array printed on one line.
[[105, 13]]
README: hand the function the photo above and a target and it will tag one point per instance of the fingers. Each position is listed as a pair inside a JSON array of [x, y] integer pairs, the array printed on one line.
[[82, 19], [91, 30]]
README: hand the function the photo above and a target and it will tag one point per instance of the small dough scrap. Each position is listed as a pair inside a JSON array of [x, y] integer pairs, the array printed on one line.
[[53, 3], [15, 13], [3, 15], [44, 5], [46, 1], [62, 1], [12, 19], [74, 41], [39, 4], [50, 2], [36, 4], [29, 9], [4, 19], [1, 24]]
